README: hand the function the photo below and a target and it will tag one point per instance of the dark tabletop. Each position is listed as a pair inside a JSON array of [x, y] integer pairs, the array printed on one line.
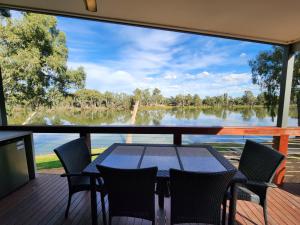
[[199, 158]]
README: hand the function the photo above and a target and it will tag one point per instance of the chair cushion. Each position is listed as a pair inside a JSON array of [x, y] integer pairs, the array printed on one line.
[[244, 193]]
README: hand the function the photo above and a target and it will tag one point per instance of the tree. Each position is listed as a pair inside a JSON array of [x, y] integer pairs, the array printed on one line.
[[146, 97], [87, 97], [188, 100], [157, 96], [266, 72], [33, 56], [261, 99], [196, 100], [179, 100], [137, 94], [248, 98], [226, 99]]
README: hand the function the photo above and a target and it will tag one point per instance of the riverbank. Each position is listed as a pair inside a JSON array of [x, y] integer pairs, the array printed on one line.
[[50, 161]]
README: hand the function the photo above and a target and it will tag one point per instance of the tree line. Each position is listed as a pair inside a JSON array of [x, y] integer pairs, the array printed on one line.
[[84, 98]]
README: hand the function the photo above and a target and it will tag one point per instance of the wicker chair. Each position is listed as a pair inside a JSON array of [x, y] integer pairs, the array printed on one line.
[[259, 164], [197, 197], [74, 157], [130, 192]]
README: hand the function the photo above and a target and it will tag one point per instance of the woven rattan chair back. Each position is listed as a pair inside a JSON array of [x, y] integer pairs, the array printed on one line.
[[259, 162], [197, 197], [130, 191], [74, 155]]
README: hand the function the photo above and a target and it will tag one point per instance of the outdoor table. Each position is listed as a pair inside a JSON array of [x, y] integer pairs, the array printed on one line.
[[200, 158]]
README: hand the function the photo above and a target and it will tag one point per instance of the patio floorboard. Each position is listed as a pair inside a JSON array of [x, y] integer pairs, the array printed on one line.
[[44, 199]]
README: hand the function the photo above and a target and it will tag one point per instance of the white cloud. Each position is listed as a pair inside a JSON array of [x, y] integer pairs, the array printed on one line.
[[170, 76], [197, 76], [236, 78], [104, 78], [150, 40], [204, 74], [166, 60]]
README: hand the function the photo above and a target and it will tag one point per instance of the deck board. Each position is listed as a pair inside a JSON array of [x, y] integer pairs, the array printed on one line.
[[44, 199]]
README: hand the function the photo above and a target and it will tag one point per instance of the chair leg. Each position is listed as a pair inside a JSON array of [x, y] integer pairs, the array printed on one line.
[[103, 209], [265, 208], [68, 206], [224, 204]]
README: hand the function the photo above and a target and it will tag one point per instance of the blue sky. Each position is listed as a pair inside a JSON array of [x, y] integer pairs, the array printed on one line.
[[121, 58]]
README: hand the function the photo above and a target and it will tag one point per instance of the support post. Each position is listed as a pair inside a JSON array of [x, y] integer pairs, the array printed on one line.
[[3, 118], [281, 143], [30, 155], [87, 137], [285, 87], [177, 139]]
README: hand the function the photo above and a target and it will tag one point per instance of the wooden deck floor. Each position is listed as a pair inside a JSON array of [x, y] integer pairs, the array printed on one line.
[[43, 201]]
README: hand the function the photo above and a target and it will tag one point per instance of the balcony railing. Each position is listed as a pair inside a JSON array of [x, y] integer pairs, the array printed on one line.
[[280, 143]]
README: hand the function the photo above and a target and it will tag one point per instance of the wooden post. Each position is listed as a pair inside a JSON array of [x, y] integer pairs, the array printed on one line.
[[282, 146], [133, 117], [87, 137], [177, 139]]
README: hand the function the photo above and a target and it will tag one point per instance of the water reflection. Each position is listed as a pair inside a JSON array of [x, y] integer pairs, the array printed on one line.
[[166, 116], [258, 116]]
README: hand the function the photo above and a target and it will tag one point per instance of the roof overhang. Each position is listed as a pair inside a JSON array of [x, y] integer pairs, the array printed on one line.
[[269, 21]]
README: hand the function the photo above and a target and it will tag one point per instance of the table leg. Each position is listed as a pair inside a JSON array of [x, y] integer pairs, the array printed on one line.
[[161, 193], [94, 201], [161, 200], [232, 205]]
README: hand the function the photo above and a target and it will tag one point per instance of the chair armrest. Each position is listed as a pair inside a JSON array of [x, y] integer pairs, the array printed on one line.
[[72, 175], [261, 184]]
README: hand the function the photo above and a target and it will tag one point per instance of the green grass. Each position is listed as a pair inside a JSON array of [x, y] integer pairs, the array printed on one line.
[[50, 161]]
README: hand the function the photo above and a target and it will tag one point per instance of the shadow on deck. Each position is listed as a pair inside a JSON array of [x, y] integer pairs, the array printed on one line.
[[44, 199]]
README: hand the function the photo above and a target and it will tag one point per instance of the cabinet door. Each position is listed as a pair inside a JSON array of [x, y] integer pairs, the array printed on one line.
[[13, 167]]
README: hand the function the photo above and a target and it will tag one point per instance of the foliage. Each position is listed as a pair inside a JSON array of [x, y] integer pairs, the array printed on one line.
[[33, 56], [266, 72], [248, 98], [87, 98]]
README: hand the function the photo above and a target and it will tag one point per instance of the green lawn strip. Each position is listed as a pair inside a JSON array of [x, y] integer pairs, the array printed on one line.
[[50, 161]]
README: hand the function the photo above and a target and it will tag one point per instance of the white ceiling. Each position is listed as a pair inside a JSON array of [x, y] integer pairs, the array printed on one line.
[[274, 21]]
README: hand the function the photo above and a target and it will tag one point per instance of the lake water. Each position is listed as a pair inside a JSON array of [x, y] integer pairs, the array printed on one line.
[[45, 143]]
